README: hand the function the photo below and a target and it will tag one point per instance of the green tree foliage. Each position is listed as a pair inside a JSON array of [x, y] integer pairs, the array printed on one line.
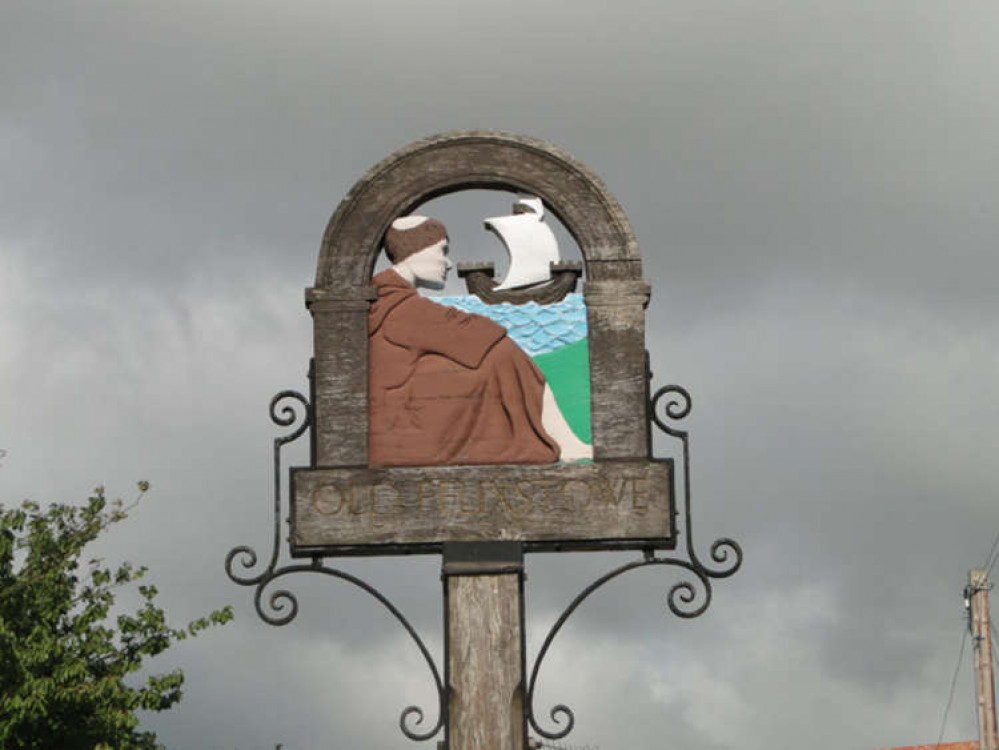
[[63, 659]]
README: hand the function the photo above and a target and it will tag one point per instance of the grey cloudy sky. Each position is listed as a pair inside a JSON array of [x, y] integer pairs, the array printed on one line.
[[812, 185]]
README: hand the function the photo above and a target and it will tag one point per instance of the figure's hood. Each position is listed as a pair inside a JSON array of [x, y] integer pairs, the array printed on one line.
[[393, 290]]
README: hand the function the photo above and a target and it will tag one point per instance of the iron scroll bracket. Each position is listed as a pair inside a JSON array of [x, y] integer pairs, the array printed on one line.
[[280, 607], [689, 598]]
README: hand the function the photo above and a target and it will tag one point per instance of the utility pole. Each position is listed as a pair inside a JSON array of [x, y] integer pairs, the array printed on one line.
[[976, 596]]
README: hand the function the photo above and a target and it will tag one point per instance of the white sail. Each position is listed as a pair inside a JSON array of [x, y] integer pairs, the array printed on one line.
[[530, 243]]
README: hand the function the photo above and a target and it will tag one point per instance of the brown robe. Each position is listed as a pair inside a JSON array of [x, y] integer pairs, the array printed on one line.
[[448, 387]]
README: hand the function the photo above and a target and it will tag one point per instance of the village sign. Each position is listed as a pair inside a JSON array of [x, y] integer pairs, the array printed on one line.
[[515, 419]]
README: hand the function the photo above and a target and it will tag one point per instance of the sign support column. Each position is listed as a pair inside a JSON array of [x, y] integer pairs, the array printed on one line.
[[484, 637]]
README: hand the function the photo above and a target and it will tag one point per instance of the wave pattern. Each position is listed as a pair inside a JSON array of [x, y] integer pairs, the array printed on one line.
[[537, 329]]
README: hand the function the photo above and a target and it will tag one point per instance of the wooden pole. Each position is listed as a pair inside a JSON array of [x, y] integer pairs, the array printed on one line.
[[978, 601], [484, 673]]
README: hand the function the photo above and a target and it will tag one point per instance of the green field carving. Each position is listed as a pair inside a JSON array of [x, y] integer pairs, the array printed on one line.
[[567, 371]]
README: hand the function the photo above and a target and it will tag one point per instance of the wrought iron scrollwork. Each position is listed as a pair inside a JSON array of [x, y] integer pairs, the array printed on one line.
[[689, 598], [292, 409]]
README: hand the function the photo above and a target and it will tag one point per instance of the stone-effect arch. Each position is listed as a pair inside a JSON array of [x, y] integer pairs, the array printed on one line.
[[614, 291]]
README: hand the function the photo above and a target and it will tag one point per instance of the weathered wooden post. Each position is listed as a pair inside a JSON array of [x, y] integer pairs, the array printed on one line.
[[483, 588], [976, 594], [439, 430]]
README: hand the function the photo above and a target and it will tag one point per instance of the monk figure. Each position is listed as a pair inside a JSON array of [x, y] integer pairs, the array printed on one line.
[[448, 387]]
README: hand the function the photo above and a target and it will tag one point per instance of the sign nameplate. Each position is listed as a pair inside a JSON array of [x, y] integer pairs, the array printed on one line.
[[548, 507]]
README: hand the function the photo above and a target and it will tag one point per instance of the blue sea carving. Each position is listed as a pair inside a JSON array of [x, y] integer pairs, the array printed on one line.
[[537, 329]]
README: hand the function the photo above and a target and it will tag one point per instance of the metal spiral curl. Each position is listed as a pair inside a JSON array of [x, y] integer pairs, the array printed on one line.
[[277, 602], [281, 607], [677, 407], [720, 550], [288, 415], [418, 713], [247, 559], [570, 718], [684, 594], [675, 403]]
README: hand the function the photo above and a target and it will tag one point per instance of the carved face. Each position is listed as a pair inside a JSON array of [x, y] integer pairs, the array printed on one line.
[[429, 267]]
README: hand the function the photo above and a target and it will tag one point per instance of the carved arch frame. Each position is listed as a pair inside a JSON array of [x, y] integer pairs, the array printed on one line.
[[614, 292]]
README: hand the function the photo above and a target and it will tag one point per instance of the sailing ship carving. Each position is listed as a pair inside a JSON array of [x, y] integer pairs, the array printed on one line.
[[536, 273]]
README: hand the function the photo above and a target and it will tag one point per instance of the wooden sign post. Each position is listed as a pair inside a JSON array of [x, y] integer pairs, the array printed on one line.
[[484, 595], [456, 430]]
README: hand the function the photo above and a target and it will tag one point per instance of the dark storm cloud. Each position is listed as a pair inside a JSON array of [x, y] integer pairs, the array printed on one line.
[[811, 188]]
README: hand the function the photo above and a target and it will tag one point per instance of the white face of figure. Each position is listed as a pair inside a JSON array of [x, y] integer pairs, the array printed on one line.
[[428, 267]]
